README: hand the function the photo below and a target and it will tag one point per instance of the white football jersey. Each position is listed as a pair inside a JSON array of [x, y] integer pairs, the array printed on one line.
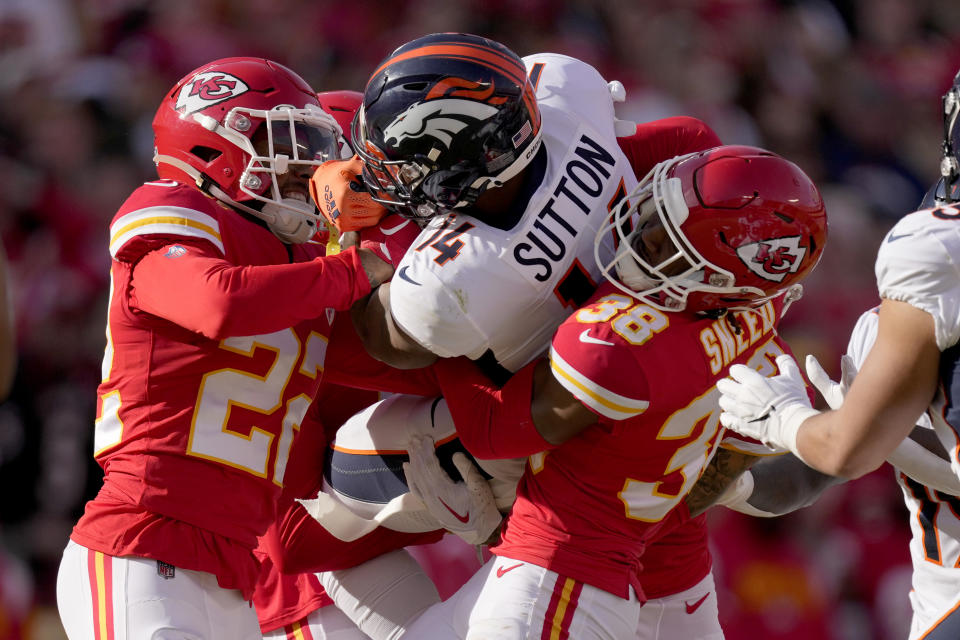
[[934, 519], [465, 287], [919, 263]]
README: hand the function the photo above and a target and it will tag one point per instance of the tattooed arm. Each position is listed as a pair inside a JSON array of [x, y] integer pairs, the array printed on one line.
[[725, 467]]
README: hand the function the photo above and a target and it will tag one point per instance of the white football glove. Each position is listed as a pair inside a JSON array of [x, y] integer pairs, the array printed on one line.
[[466, 508], [770, 410], [832, 392], [909, 456]]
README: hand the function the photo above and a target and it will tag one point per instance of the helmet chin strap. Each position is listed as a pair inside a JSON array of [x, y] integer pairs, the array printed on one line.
[[632, 275], [291, 227], [290, 220]]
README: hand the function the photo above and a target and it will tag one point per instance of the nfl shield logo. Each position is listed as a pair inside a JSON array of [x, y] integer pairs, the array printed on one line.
[[164, 570]]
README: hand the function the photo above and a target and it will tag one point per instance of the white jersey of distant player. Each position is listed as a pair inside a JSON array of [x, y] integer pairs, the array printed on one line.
[[934, 520], [919, 263], [465, 287]]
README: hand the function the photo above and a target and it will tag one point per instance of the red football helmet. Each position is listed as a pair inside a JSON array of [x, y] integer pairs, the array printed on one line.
[[342, 105], [726, 228], [233, 126]]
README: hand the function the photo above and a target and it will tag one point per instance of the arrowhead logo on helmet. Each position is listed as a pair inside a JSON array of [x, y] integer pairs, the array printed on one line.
[[773, 259], [207, 89]]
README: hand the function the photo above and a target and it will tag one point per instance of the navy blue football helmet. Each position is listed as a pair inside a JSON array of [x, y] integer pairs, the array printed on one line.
[[445, 117], [947, 190]]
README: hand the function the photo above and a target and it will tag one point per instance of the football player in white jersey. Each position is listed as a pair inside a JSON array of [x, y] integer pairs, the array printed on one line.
[[511, 165], [930, 492], [780, 485], [910, 369]]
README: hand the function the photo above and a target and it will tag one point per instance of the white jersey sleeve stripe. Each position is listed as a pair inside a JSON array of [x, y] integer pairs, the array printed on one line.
[[164, 220], [601, 400]]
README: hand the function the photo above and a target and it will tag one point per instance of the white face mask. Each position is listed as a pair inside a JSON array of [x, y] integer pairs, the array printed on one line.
[[296, 140], [654, 262]]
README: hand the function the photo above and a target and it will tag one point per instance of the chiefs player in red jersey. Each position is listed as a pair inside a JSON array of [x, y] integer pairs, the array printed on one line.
[[217, 336], [293, 604], [288, 604], [623, 417]]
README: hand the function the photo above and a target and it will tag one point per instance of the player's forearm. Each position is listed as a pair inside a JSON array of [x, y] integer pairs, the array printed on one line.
[[893, 388], [784, 484], [301, 544], [927, 466], [382, 338], [212, 297], [491, 422], [348, 364], [724, 468], [834, 446]]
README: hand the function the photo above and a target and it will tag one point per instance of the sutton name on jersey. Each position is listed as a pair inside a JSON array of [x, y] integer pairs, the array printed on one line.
[[583, 178]]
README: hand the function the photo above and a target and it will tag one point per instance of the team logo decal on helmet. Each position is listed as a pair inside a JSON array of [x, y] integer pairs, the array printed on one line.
[[438, 119], [207, 89], [773, 259]]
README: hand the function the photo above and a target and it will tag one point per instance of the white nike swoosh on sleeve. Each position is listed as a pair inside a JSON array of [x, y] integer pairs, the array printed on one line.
[[588, 339], [393, 230]]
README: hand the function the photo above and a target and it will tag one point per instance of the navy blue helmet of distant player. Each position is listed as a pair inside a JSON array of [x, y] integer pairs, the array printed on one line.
[[947, 190]]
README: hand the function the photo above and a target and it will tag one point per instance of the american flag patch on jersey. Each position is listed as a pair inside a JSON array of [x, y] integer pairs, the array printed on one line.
[[164, 570], [523, 134]]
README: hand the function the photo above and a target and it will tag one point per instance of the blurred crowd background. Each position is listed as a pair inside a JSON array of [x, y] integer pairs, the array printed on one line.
[[849, 90]]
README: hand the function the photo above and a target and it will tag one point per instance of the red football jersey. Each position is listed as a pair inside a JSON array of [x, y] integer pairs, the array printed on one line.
[[676, 562], [586, 509], [216, 339], [285, 598]]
